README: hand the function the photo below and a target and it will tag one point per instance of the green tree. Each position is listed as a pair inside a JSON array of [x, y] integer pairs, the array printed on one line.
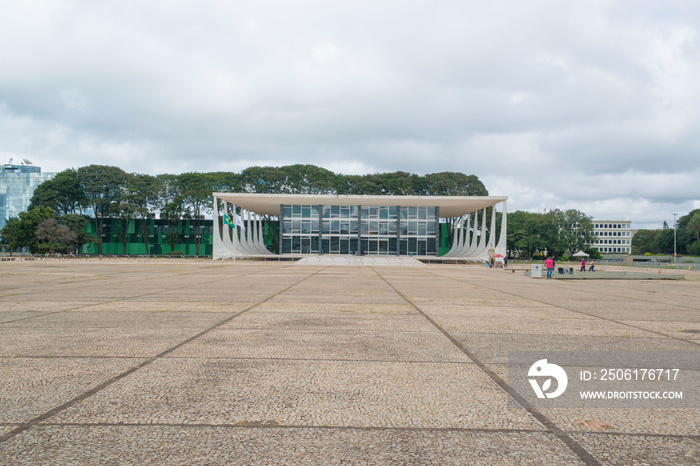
[[127, 206], [665, 240], [646, 241], [694, 225], [454, 184], [63, 193], [524, 235], [308, 179], [170, 204], [392, 184], [20, 232], [226, 182], [54, 236], [576, 231], [103, 187], [78, 225], [172, 213], [144, 193], [548, 226], [263, 180], [196, 190], [12, 234], [354, 185]]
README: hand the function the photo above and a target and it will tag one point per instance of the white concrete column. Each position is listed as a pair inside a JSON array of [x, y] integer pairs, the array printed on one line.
[[465, 242], [502, 247], [482, 239], [243, 235], [474, 243], [456, 240]]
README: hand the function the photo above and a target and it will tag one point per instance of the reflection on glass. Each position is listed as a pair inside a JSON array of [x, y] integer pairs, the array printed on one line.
[[378, 228]]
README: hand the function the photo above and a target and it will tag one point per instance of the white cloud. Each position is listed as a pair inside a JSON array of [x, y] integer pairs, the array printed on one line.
[[587, 105]]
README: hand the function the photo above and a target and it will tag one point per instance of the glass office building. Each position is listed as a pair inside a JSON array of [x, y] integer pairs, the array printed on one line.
[[17, 185], [362, 230]]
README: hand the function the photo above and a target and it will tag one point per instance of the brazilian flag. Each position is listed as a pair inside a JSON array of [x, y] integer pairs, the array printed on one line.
[[228, 221]]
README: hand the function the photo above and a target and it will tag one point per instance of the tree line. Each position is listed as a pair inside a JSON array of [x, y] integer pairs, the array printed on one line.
[[559, 233], [562, 233], [56, 221], [661, 241]]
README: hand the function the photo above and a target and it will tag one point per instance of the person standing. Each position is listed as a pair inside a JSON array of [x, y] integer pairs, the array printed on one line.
[[549, 263], [583, 265], [591, 264]]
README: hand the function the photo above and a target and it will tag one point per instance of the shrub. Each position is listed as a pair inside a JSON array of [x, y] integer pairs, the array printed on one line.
[[694, 249]]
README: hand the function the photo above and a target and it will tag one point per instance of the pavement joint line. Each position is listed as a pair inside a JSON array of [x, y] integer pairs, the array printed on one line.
[[235, 358], [363, 428], [638, 434], [561, 335], [124, 299], [292, 426], [349, 331], [573, 445], [85, 395], [575, 310]]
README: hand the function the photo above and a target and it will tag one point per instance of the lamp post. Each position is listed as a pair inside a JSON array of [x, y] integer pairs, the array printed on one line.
[[674, 240]]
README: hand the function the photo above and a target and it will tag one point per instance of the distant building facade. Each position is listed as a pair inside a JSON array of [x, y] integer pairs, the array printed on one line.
[[612, 236], [17, 185]]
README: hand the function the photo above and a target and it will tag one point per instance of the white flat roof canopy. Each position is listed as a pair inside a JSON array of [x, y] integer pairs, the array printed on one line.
[[450, 206]]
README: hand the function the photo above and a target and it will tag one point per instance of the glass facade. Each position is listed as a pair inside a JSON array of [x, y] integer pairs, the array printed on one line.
[[17, 185], [366, 230]]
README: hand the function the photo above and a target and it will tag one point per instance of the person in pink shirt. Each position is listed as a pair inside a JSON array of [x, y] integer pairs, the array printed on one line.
[[549, 263], [583, 265]]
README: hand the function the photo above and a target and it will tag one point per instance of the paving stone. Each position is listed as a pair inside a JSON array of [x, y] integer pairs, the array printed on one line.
[[9, 306], [664, 421], [324, 320], [342, 308], [494, 347], [128, 320], [524, 309], [160, 305], [90, 341], [31, 386], [342, 344], [363, 297], [318, 393], [581, 326], [9, 316], [652, 314], [243, 445], [685, 330], [329, 365], [640, 450]]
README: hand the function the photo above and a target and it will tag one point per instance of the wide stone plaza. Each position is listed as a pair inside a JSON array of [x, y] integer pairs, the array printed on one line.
[[275, 363]]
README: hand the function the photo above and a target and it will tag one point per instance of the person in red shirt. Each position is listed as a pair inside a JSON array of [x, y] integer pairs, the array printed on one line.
[[583, 265], [549, 263]]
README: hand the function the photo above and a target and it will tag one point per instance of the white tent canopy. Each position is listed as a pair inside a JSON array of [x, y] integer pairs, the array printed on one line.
[[580, 254]]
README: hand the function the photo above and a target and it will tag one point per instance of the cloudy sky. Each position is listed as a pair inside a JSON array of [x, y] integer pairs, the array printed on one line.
[[589, 105]]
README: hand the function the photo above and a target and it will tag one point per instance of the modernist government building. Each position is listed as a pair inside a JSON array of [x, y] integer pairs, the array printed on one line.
[[358, 225]]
